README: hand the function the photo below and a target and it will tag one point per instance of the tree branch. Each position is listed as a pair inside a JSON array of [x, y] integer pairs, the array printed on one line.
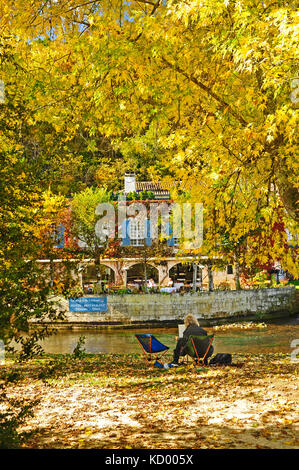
[[208, 90]]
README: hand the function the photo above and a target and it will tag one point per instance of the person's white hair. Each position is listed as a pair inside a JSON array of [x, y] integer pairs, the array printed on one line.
[[190, 320]]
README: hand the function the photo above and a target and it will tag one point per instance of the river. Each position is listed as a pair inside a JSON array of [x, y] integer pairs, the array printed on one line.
[[275, 337]]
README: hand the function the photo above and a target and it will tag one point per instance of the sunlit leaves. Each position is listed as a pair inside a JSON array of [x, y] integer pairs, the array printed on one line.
[[198, 93]]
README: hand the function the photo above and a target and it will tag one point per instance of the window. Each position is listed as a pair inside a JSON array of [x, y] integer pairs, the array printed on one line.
[[176, 241], [136, 232], [58, 235], [229, 269], [137, 241]]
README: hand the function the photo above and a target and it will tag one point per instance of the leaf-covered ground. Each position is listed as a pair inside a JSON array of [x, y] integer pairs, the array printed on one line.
[[118, 401]]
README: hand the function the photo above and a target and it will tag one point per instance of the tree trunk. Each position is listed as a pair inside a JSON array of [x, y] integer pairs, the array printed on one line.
[[200, 278], [210, 276], [97, 263], [80, 275], [289, 194], [145, 278], [237, 275], [194, 277], [237, 270], [51, 273]]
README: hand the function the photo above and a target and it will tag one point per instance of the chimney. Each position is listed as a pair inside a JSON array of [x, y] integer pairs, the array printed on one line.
[[130, 183]]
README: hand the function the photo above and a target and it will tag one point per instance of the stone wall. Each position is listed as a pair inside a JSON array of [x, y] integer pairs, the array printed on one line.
[[207, 306]]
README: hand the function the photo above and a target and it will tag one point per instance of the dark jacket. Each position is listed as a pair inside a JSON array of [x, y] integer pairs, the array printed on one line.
[[201, 346], [194, 330]]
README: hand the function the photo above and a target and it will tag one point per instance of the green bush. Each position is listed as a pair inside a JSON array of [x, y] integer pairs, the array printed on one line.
[[79, 352], [13, 414], [11, 377], [121, 291]]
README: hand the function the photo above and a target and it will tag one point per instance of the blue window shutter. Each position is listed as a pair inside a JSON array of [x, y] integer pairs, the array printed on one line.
[[60, 236], [148, 238], [170, 241], [125, 233]]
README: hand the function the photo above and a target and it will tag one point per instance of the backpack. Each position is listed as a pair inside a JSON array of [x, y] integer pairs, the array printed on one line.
[[221, 359]]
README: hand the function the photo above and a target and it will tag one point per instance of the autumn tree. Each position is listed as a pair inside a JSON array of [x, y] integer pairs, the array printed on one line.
[[216, 79], [208, 85], [84, 218], [24, 286]]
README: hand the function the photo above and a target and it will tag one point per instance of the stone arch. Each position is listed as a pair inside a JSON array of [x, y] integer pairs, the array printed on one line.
[[118, 268], [89, 272], [172, 263], [92, 279], [184, 274], [110, 265], [135, 272]]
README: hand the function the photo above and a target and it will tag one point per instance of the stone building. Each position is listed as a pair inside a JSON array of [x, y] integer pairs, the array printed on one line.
[[138, 262]]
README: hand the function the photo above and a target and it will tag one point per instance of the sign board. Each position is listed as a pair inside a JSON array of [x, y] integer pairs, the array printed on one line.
[[181, 330], [88, 304]]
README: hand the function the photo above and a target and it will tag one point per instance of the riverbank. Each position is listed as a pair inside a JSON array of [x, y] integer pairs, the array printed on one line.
[[150, 324], [114, 401], [211, 308]]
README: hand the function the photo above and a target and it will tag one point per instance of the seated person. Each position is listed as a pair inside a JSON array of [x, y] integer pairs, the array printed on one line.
[[150, 283], [192, 328]]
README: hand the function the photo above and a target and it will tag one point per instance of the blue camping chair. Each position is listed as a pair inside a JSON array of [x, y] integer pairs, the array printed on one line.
[[151, 346]]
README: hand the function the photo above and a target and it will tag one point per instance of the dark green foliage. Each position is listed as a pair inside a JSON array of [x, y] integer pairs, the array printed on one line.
[[79, 351], [13, 376], [13, 414], [24, 286]]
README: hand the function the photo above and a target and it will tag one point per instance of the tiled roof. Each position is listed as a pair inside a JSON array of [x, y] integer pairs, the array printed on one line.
[[150, 186]]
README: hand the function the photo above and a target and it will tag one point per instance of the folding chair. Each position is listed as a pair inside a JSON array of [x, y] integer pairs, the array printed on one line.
[[198, 348], [151, 346]]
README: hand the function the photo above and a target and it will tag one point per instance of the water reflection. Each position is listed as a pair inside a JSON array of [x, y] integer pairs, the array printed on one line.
[[276, 337]]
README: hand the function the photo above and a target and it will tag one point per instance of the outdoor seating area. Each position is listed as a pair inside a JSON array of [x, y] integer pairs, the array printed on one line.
[[136, 277], [94, 288]]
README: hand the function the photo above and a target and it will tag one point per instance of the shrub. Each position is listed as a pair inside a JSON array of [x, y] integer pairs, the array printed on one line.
[[13, 414], [79, 352]]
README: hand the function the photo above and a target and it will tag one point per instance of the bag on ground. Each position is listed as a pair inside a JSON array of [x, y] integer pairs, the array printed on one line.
[[221, 359]]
